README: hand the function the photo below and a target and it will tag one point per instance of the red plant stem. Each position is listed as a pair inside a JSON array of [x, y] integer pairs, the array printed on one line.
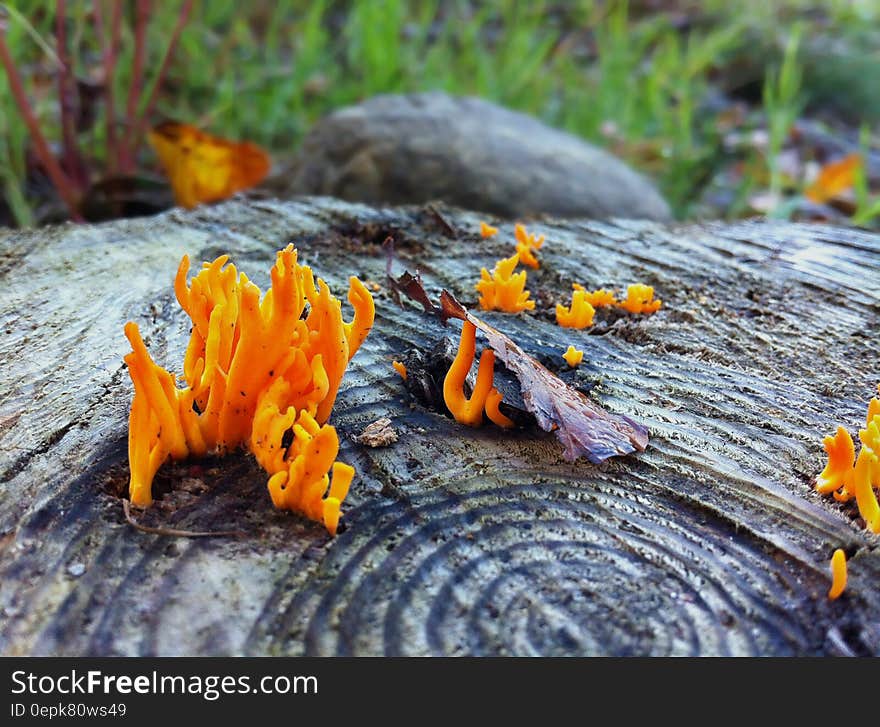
[[137, 80], [65, 187], [109, 54], [71, 159], [182, 20]]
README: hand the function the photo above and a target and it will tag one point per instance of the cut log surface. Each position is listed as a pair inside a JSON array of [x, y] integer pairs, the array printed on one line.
[[456, 540]]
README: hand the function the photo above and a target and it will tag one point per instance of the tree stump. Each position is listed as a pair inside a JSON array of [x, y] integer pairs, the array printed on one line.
[[456, 540]]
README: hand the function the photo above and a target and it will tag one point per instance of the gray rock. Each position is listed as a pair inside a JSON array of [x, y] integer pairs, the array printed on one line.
[[470, 153]]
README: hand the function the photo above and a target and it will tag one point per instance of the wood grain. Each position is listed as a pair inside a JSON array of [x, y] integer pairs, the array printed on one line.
[[456, 541]]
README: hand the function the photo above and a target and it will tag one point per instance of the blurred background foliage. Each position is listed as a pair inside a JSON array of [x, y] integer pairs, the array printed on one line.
[[701, 96]]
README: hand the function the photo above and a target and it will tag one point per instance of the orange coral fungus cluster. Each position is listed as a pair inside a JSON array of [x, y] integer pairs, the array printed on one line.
[[579, 314], [503, 289], [847, 476], [640, 299], [400, 368], [485, 397], [255, 372], [526, 245]]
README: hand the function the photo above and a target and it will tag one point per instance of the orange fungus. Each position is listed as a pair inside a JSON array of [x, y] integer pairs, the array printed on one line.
[[259, 371], [484, 397], [503, 289]]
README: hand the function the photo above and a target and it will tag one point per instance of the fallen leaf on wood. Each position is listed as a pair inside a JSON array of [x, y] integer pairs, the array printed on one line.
[[583, 428]]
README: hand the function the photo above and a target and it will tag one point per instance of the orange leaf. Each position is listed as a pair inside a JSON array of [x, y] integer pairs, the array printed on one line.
[[834, 178], [204, 168]]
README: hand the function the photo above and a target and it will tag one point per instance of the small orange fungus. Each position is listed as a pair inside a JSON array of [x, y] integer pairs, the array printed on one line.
[[487, 230], [526, 245], [399, 368], [257, 372], [601, 298], [846, 480], [838, 574], [573, 356], [841, 456], [204, 168], [484, 397], [579, 314], [640, 299], [503, 289]]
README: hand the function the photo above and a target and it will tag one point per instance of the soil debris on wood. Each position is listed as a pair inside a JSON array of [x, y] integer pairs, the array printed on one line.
[[379, 433]]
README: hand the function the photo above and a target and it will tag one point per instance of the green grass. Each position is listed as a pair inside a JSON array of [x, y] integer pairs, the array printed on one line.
[[265, 71], [782, 105]]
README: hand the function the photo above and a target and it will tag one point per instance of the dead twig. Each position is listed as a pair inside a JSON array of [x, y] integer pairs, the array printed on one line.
[[126, 508], [444, 223]]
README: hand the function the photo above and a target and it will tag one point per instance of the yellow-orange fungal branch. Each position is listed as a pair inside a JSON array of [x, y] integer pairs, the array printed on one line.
[[299, 479], [364, 314], [493, 402], [838, 574], [155, 428], [399, 368], [573, 357], [640, 299], [841, 456], [526, 245], [863, 474], [866, 474], [503, 289], [601, 298], [487, 230], [873, 410], [255, 369], [579, 314], [484, 397]]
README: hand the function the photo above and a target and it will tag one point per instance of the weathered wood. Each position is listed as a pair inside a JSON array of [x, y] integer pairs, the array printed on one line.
[[456, 541]]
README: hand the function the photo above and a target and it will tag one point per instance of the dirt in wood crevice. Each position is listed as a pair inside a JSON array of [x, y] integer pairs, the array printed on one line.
[[368, 237], [209, 494]]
